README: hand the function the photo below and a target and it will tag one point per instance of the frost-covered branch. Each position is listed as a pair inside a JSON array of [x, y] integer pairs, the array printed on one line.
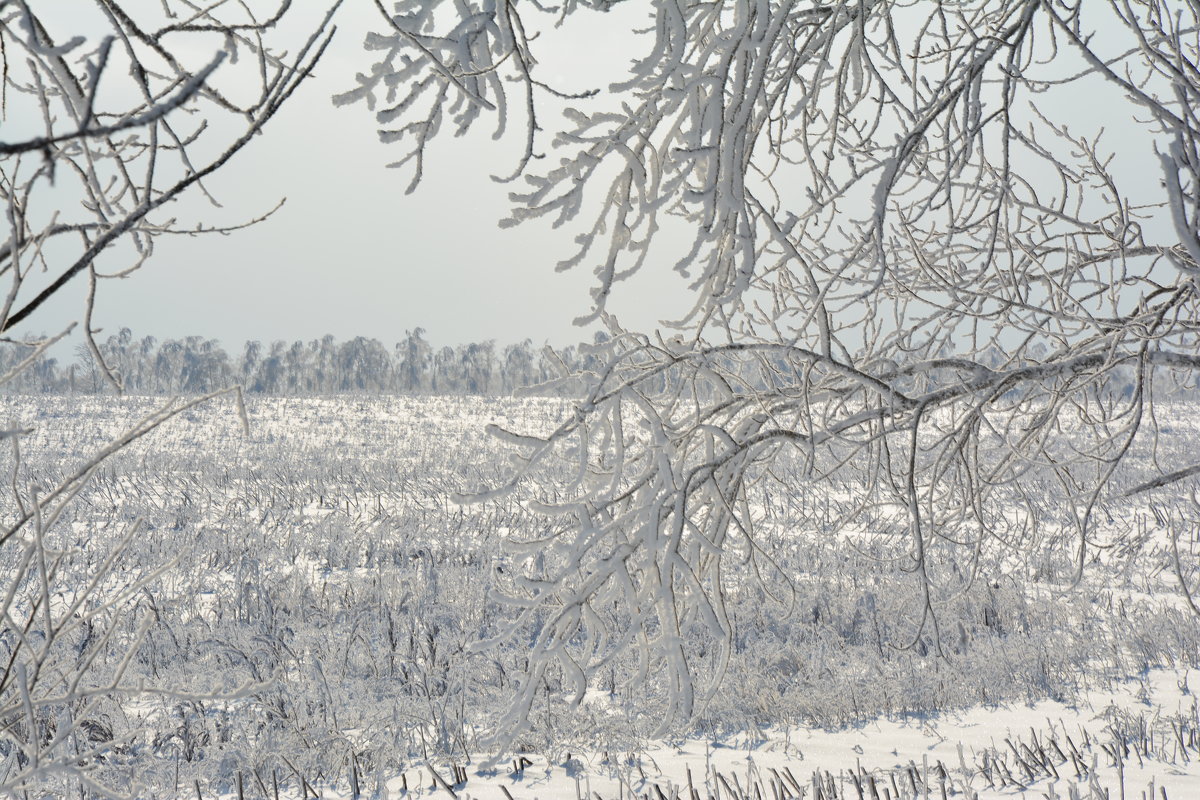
[[102, 131], [126, 169], [918, 269]]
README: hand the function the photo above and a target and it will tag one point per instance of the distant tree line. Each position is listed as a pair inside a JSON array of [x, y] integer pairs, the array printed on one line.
[[195, 365]]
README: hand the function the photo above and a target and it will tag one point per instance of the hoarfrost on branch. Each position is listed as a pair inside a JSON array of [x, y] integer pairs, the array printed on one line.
[[943, 257]]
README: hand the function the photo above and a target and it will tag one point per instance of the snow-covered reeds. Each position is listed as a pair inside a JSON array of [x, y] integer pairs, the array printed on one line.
[[326, 601], [71, 626]]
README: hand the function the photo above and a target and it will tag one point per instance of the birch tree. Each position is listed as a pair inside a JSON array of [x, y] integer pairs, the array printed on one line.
[[943, 258], [111, 112]]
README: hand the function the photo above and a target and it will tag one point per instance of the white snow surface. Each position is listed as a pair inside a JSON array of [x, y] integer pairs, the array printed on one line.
[[970, 753], [321, 562], [1046, 749]]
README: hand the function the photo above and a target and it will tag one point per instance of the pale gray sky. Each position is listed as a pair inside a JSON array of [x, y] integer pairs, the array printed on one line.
[[349, 253]]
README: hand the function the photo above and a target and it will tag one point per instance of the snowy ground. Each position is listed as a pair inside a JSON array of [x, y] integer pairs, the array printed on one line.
[[318, 562], [1140, 741]]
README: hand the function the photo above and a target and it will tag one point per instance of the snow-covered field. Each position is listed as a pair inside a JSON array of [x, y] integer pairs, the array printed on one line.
[[1138, 741], [317, 622]]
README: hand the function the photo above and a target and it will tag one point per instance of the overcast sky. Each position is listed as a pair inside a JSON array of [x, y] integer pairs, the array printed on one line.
[[349, 253]]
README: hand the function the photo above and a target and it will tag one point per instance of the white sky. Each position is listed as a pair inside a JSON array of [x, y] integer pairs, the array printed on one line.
[[349, 253]]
